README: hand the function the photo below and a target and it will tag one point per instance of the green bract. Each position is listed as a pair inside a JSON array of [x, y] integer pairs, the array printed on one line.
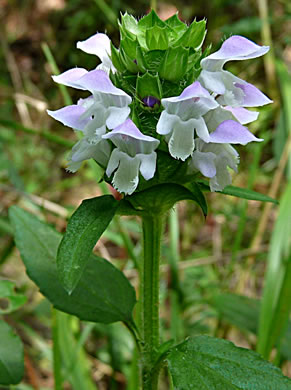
[[156, 58]]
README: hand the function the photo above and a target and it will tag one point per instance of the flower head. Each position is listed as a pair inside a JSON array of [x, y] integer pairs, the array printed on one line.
[[156, 98]]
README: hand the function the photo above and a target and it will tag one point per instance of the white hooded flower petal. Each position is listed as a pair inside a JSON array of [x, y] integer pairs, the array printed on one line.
[[125, 178], [181, 141], [97, 82], [130, 140], [233, 91], [147, 165], [232, 132], [242, 115], [234, 48], [213, 160], [107, 106], [99, 45], [182, 116], [204, 162], [224, 127], [134, 153], [69, 77], [70, 116], [83, 150]]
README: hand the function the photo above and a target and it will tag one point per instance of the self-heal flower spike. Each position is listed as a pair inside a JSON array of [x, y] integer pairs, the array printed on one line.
[[233, 91], [160, 79], [134, 154], [182, 116]]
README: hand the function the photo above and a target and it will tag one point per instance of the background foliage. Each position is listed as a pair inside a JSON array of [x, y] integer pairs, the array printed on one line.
[[212, 281]]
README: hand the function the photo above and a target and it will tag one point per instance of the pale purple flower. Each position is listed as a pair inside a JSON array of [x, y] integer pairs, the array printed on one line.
[[183, 115], [134, 154], [100, 45], [231, 90], [106, 108], [213, 160]]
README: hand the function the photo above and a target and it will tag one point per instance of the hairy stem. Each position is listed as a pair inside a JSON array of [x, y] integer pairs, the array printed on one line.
[[152, 231]]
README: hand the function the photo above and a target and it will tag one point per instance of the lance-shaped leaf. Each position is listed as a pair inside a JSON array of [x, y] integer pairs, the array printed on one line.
[[207, 363], [103, 293], [11, 356], [84, 229], [243, 193]]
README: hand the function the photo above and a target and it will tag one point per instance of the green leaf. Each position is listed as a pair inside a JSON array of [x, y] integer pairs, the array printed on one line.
[[8, 295], [157, 38], [207, 363], [194, 36], [276, 295], [174, 64], [160, 198], [84, 229], [243, 193], [148, 85], [103, 293], [11, 356], [195, 190]]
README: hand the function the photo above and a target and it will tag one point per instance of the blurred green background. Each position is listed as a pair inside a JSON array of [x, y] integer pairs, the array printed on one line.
[[213, 270]]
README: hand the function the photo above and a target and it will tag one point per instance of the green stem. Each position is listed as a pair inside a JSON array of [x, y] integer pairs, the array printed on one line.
[[152, 231], [56, 352]]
